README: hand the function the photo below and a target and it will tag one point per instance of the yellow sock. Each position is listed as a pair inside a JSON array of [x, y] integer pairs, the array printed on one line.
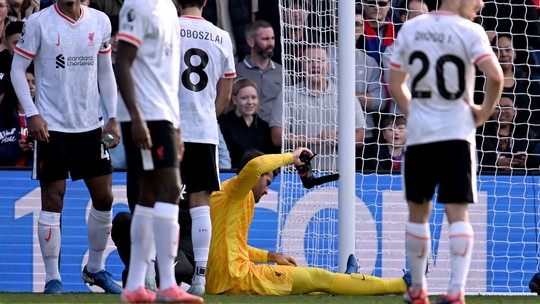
[[309, 280], [359, 284]]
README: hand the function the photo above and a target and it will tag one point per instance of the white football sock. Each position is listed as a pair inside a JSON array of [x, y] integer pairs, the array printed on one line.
[[99, 231], [142, 246], [167, 228], [201, 234], [50, 238], [461, 236], [418, 248]]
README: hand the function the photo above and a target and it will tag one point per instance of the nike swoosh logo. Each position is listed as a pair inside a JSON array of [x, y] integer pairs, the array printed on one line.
[[465, 251], [423, 253], [48, 238]]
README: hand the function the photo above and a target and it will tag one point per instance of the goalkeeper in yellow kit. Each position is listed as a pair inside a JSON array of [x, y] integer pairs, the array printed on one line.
[[231, 262]]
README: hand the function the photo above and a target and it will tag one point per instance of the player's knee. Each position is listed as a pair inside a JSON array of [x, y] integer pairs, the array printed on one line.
[[52, 199], [169, 193]]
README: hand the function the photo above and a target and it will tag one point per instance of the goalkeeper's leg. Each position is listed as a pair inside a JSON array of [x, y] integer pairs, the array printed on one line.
[[307, 280]]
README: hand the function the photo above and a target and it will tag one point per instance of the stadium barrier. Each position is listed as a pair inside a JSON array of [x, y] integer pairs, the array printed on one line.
[[506, 232]]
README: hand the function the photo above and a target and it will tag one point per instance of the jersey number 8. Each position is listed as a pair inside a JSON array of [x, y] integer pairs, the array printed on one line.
[[195, 69]]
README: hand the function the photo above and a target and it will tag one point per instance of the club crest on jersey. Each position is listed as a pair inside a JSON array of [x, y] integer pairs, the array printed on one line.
[[131, 15], [91, 39]]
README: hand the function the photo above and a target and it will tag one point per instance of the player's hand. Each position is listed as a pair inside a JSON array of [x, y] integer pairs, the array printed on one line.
[[480, 114], [140, 134], [37, 128], [296, 155], [112, 128], [286, 260]]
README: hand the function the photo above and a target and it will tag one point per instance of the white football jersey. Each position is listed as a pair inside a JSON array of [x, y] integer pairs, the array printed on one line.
[[65, 54], [439, 51], [207, 56], [152, 26]]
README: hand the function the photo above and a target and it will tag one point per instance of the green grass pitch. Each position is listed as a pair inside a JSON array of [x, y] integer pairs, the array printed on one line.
[[81, 298]]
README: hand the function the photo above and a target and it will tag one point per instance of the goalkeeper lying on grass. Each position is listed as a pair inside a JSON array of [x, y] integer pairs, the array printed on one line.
[[231, 268]]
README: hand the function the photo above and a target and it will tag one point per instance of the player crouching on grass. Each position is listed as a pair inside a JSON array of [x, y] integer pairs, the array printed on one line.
[[231, 262]]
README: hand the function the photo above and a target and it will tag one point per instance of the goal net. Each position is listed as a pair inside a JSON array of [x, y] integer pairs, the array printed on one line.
[[506, 219]]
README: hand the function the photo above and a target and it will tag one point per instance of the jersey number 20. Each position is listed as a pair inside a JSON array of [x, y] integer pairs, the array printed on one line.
[[195, 69], [439, 68]]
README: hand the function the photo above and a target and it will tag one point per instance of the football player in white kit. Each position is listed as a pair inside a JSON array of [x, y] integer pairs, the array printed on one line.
[[435, 54], [148, 65], [207, 71], [69, 45]]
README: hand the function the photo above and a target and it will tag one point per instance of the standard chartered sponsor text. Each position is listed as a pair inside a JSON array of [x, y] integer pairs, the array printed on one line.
[[80, 60]]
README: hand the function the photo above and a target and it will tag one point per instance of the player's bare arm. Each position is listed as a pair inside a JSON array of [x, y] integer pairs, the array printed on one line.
[[494, 85], [399, 90], [224, 92], [125, 57]]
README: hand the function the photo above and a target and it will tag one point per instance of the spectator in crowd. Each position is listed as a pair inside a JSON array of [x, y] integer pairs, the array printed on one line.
[[13, 124], [232, 268], [516, 83], [517, 18], [223, 152], [359, 26], [4, 21], [20, 10], [202, 100], [242, 127], [12, 35], [69, 141], [409, 9], [311, 118], [233, 16], [148, 79], [10, 132], [503, 144], [368, 87], [259, 67], [10, 127], [379, 29], [387, 155], [110, 7], [269, 11], [295, 36]]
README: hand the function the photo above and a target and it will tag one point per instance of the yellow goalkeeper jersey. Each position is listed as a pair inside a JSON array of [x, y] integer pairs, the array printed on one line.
[[231, 267]]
